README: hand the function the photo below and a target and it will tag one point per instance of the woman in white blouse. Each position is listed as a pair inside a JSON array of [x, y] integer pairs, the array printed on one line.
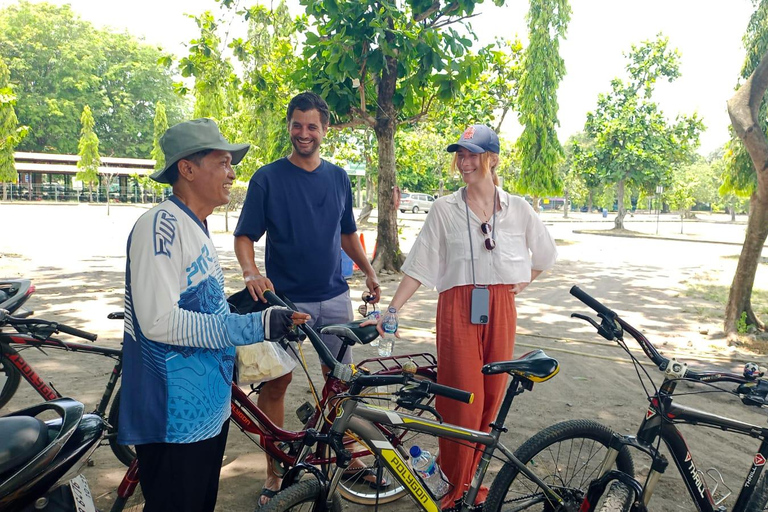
[[480, 247]]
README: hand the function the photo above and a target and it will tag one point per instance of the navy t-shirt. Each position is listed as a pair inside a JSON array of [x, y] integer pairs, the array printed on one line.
[[303, 214]]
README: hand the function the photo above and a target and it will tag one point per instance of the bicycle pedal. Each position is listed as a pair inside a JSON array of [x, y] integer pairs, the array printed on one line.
[[305, 411]]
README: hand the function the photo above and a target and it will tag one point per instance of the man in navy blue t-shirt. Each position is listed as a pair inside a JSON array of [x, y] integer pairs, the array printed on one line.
[[304, 205]]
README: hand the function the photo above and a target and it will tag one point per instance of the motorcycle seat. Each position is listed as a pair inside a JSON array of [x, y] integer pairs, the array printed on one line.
[[21, 438]]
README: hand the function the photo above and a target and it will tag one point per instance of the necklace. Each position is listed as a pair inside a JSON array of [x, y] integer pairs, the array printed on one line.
[[483, 207]]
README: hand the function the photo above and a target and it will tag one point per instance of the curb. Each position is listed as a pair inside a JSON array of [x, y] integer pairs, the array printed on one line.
[[655, 237]]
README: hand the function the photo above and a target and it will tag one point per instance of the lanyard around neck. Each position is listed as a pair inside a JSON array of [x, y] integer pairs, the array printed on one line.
[[469, 231]]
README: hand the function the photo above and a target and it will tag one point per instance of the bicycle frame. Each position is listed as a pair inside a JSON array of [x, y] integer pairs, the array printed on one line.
[[250, 419], [39, 385], [655, 426], [366, 422]]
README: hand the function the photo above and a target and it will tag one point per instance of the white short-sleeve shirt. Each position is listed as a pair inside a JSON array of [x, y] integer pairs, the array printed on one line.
[[440, 257]]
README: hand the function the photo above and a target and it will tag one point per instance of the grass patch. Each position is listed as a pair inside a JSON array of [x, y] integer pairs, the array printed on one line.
[[718, 294], [763, 259]]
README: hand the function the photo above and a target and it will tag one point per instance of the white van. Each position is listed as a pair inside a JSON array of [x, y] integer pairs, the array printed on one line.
[[415, 202]]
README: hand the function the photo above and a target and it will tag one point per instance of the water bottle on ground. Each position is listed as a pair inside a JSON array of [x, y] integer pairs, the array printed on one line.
[[387, 342], [430, 473]]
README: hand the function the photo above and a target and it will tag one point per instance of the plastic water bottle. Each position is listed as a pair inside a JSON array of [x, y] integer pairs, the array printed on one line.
[[430, 473], [389, 325]]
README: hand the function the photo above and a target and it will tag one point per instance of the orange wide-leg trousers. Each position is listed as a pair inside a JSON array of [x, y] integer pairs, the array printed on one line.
[[462, 350]]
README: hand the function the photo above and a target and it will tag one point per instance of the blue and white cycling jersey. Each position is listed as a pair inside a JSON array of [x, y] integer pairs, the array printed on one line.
[[178, 346]]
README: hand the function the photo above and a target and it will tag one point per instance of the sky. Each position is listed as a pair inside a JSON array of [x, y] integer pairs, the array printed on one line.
[[707, 32]]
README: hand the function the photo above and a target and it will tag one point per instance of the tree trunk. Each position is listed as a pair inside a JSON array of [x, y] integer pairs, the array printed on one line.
[[618, 223], [743, 109], [5, 191], [740, 295], [90, 191], [388, 255], [591, 201], [535, 200], [565, 204]]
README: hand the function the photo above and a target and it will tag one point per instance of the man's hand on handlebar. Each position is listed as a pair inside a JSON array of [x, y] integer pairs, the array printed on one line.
[[257, 284], [279, 321], [372, 283]]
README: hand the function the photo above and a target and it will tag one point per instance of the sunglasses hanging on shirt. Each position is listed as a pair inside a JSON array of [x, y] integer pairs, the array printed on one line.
[[487, 229]]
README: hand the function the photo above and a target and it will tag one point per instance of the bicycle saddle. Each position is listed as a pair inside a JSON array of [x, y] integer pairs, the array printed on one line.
[[351, 333], [535, 366]]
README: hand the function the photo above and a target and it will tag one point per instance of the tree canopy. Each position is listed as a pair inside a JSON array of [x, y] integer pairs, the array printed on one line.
[[543, 69], [634, 143], [61, 63]]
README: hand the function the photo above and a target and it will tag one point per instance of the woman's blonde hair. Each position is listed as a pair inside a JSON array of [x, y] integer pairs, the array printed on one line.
[[488, 163]]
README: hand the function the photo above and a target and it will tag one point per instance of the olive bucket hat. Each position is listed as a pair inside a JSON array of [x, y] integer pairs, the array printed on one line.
[[189, 137]]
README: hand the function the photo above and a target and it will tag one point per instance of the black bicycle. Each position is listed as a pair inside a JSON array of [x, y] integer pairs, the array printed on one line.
[[625, 493]]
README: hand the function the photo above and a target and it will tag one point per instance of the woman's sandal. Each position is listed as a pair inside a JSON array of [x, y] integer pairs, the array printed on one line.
[[367, 476]]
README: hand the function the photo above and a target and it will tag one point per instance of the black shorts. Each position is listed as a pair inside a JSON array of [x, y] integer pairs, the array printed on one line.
[[181, 477]]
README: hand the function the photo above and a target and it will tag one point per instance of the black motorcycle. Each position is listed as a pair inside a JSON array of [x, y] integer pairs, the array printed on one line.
[[40, 460]]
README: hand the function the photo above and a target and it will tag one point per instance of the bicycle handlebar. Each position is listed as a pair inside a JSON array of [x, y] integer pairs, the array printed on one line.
[[322, 350], [5, 318], [427, 386], [659, 360], [344, 373]]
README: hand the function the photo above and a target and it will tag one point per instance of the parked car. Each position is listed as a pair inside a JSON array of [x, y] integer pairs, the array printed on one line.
[[415, 202]]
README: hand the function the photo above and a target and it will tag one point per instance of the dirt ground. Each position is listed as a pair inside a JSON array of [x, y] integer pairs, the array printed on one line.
[[74, 254]]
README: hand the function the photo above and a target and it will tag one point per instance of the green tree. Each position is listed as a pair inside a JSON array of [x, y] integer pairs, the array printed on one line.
[[635, 146], [211, 70], [62, 63], [746, 170], [10, 131], [88, 149], [543, 69], [161, 125], [382, 65]]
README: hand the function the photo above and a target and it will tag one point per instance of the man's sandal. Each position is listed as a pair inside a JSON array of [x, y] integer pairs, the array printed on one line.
[[267, 493]]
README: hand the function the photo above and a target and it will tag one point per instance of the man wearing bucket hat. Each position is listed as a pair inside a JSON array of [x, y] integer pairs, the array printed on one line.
[[179, 338], [480, 247]]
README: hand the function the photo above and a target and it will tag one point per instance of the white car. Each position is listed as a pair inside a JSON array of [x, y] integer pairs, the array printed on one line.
[[415, 202]]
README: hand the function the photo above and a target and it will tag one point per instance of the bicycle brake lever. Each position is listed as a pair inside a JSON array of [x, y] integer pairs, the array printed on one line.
[[410, 404], [588, 319]]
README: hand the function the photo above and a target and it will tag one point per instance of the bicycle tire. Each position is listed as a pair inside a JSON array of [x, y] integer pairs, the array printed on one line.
[[618, 498], [300, 497], [582, 443], [124, 453], [9, 376], [759, 500], [355, 488]]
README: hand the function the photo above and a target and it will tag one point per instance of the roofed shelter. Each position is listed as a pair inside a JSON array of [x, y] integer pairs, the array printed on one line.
[[52, 177]]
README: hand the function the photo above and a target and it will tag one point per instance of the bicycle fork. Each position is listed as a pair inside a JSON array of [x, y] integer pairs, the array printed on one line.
[[598, 486]]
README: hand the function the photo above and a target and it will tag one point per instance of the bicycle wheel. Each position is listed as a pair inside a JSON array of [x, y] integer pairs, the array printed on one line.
[[300, 497], [567, 456], [618, 498], [125, 453], [9, 376], [358, 484], [759, 500]]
